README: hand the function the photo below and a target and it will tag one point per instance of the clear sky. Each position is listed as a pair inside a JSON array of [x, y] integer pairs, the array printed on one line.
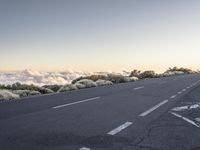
[[99, 35]]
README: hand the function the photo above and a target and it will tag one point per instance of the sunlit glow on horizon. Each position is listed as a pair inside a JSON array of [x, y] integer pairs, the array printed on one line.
[[98, 36]]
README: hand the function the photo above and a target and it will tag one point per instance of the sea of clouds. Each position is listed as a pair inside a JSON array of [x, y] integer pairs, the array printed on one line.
[[39, 78]]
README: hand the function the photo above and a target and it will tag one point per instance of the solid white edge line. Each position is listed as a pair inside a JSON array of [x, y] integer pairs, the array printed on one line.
[[153, 108], [141, 87], [186, 119], [120, 128], [86, 100], [84, 148]]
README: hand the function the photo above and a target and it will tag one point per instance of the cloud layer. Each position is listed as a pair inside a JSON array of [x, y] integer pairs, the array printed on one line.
[[40, 78]]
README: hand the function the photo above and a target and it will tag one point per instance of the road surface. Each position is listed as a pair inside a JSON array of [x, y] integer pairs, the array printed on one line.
[[153, 114]]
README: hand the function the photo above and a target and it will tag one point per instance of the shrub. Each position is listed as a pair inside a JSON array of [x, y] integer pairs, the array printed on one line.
[[92, 77], [19, 86], [44, 90], [175, 69], [67, 87], [147, 74], [25, 93], [79, 85], [117, 78], [7, 95], [101, 82], [87, 83], [133, 78], [135, 73], [171, 73], [54, 88]]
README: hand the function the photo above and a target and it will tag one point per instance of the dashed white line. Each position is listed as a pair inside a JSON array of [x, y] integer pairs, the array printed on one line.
[[173, 96], [120, 128], [184, 90], [186, 119], [84, 148], [179, 92], [69, 104], [153, 108], [138, 88], [188, 87]]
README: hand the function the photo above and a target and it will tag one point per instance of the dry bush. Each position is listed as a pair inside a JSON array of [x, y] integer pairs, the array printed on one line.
[[103, 82], [7, 95]]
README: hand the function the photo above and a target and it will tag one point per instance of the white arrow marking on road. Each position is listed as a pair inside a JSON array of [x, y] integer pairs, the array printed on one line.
[[69, 104], [120, 128]]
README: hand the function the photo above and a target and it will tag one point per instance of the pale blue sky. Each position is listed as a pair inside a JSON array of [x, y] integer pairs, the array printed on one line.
[[99, 35]]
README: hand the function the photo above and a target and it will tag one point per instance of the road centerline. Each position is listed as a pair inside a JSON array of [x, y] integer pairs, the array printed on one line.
[[120, 128], [84, 148], [173, 96], [179, 92], [184, 90], [78, 102], [138, 88], [153, 108]]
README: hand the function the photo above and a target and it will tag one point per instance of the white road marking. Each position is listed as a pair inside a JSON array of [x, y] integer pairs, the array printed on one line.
[[188, 87], [141, 87], [186, 119], [69, 104], [197, 119], [184, 90], [84, 148], [153, 108], [180, 108], [173, 96], [120, 128], [179, 92]]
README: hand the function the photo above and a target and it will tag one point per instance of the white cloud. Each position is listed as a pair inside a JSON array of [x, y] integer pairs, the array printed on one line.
[[40, 78]]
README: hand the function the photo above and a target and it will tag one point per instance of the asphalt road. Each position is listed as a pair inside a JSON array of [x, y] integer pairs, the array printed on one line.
[[153, 114]]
